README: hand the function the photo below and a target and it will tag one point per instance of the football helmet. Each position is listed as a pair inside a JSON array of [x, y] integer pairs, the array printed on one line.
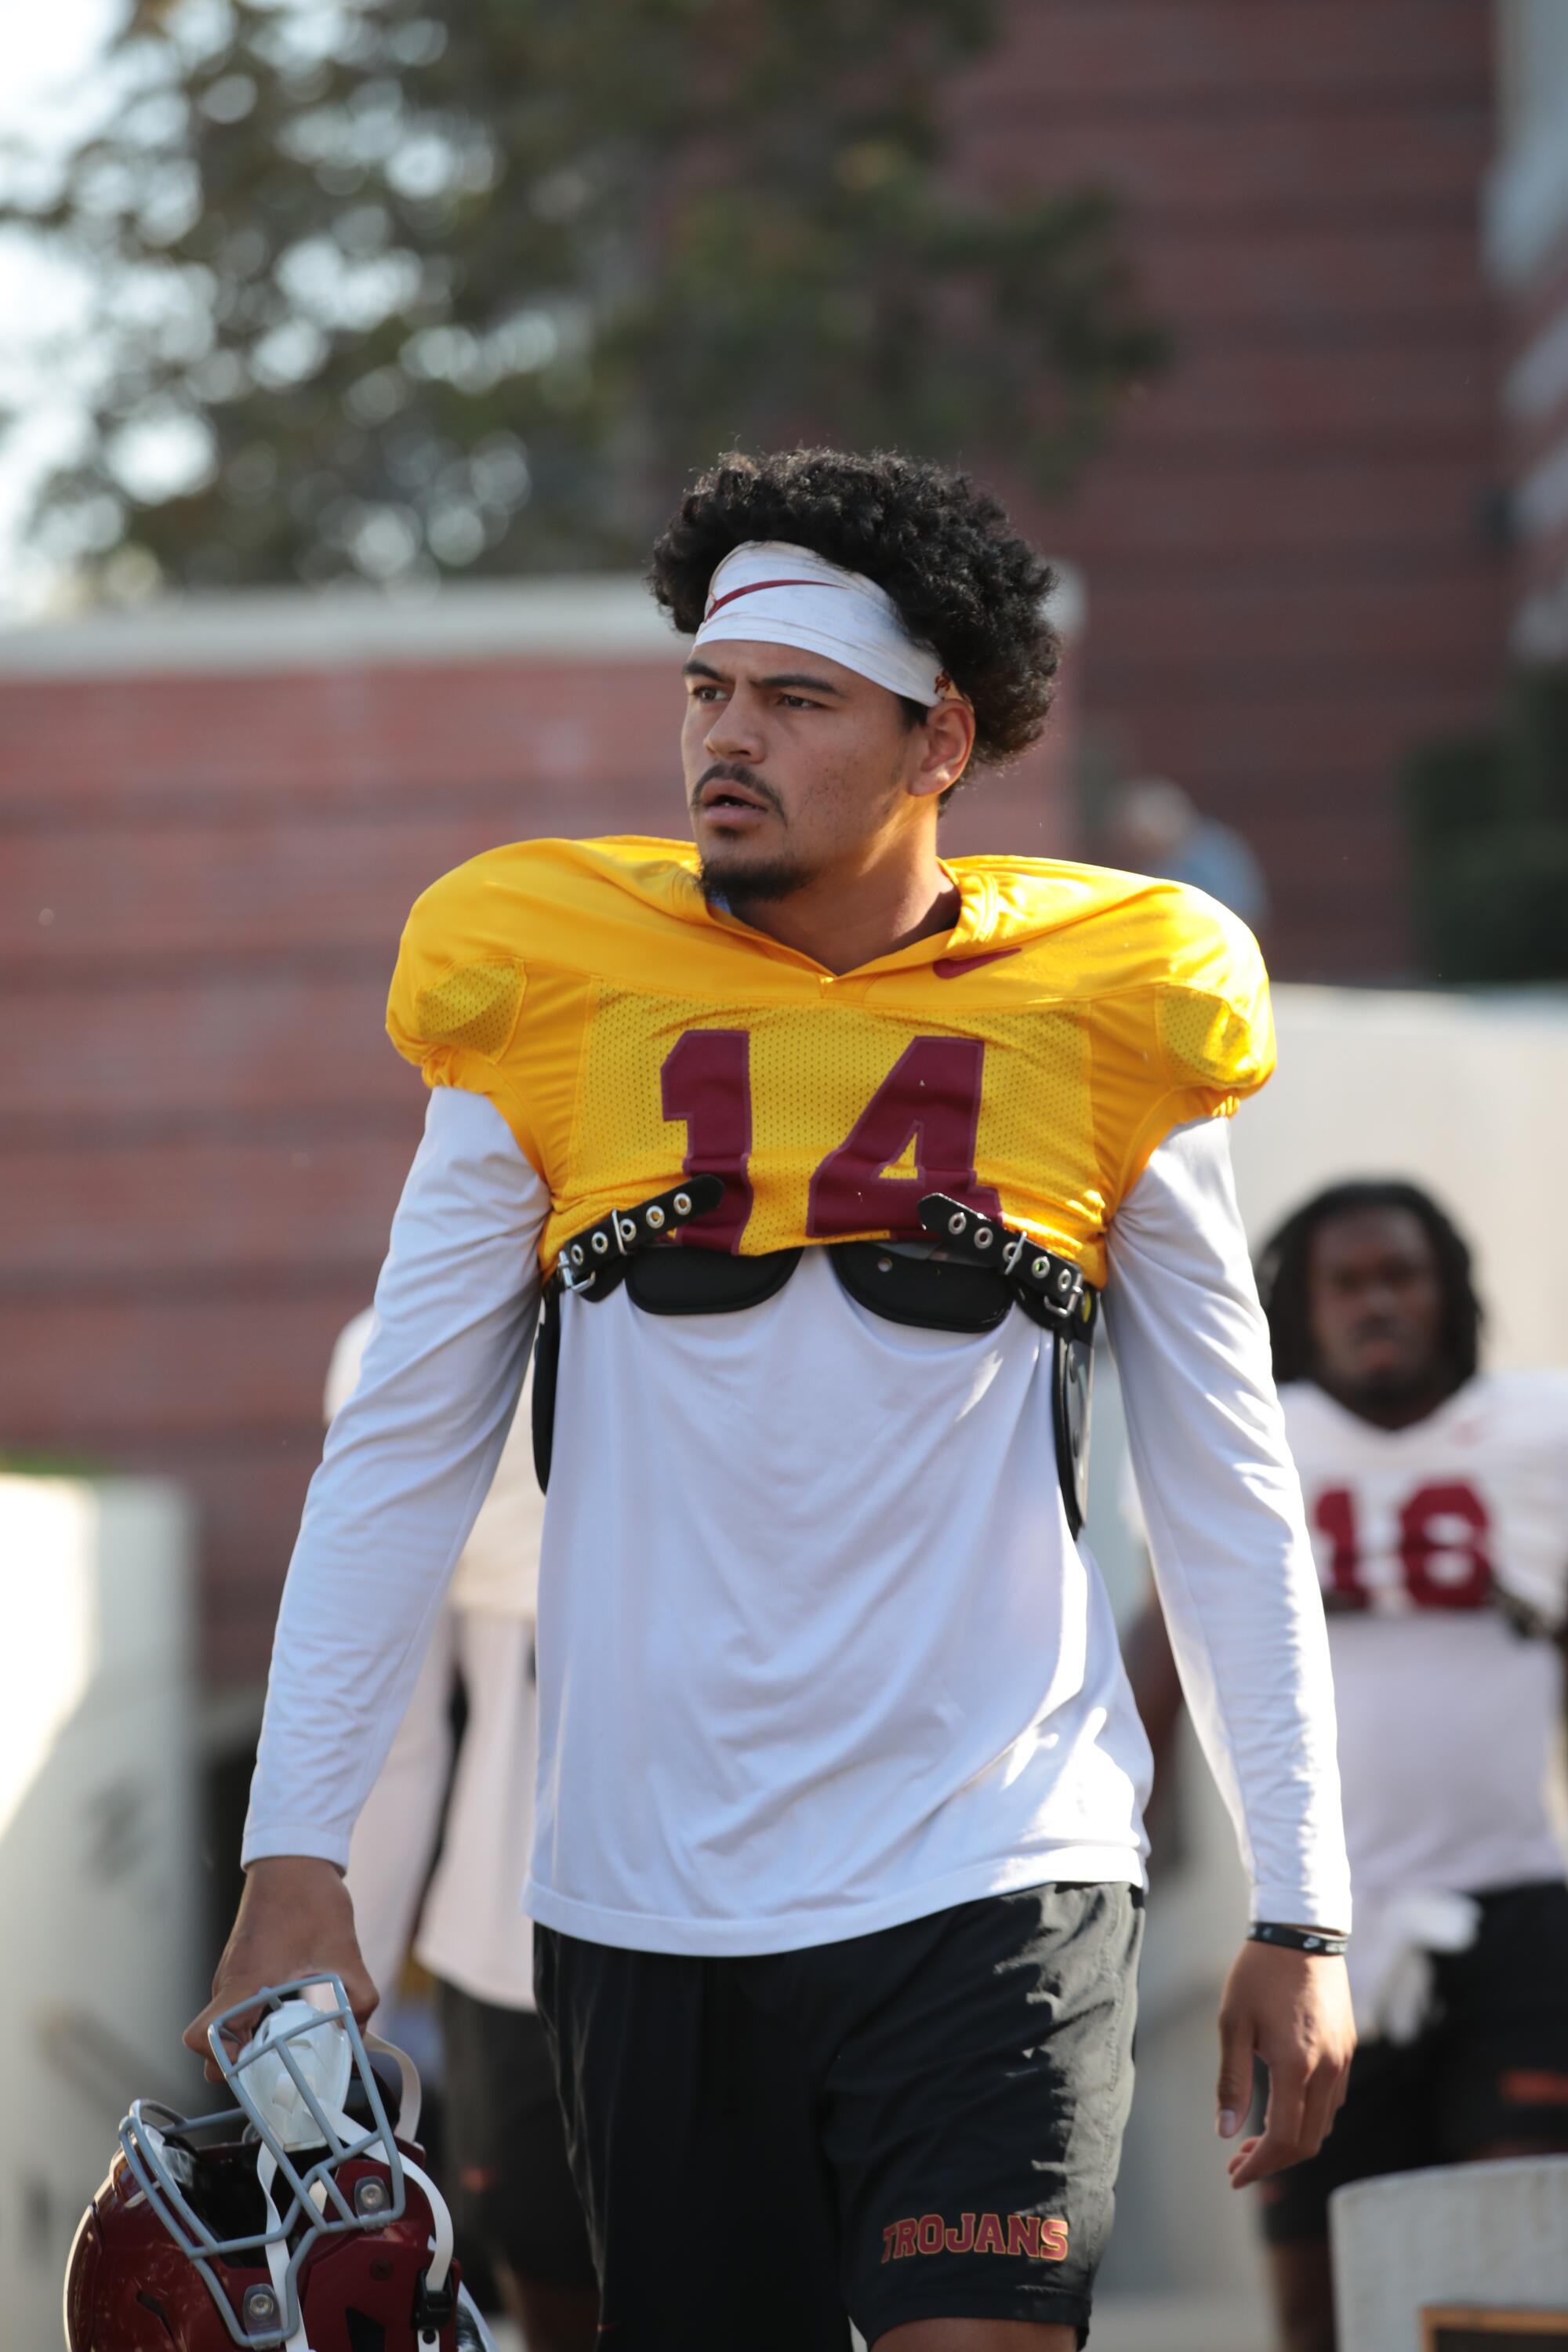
[[299, 2220]]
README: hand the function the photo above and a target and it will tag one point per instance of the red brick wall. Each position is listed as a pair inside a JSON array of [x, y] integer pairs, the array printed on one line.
[[1287, 550], [203, 1128]]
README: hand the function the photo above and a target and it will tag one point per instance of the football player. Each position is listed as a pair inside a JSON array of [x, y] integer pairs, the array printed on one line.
[[822, 1150], [1438, 1496]]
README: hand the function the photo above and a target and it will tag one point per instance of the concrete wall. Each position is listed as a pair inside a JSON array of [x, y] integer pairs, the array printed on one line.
[[1492, 2236], [98, 1944]]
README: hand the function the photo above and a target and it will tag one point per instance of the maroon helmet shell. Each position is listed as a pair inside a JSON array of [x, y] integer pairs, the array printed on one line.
[[129, 2288], [301, 2220]]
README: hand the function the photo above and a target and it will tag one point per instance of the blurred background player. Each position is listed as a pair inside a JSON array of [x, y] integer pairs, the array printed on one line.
[[1155, 828], [1437, 1495], [512, 2191]]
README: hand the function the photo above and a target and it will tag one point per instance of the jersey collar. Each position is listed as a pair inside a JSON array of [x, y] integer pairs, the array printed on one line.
[[974, 930]]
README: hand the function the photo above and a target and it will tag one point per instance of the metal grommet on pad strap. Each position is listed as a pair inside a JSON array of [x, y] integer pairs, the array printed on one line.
[[624, 1232], [1049, 1289]]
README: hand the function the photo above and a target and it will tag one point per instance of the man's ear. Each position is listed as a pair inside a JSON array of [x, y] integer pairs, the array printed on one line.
[[946, 736]]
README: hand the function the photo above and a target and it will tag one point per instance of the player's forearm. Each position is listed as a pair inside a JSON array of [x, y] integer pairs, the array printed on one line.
[[1226, 1535], [370, 1570], [1247, 1632], [407, 1464]]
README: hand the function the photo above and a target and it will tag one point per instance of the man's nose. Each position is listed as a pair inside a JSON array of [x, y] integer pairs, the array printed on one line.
[[736, 732]]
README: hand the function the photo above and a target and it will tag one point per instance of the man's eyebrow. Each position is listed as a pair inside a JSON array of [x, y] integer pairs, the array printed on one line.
[[695, 668]]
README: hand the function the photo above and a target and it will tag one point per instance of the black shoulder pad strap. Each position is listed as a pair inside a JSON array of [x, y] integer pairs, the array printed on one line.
[[1072, 1376], [546, 1371], [632, 1245], [1053, 1293], [594, 1261], [1049, 1289]]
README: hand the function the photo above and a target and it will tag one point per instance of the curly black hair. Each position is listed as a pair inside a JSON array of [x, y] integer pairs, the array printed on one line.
[[964, 582], [1284, 1260]]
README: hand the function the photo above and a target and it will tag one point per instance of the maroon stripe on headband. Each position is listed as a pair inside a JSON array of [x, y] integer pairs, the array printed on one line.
[[757, 586]]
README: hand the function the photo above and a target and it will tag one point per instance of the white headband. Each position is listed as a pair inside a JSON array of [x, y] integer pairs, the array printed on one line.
[[776, 594]]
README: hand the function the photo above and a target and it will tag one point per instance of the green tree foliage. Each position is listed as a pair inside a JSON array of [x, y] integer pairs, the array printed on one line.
[[1488, 822], [389, 287]]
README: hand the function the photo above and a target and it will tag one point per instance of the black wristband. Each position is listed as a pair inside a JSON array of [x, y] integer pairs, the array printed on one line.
[[1320, 1941]]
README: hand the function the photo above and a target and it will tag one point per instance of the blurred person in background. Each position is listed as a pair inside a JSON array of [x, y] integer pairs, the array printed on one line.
[[1153, 828], [837, 1862], [504, 2129], [1437, 1495]]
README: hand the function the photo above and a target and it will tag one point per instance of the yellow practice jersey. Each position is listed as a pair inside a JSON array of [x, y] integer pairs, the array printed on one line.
[[1028, 1061]]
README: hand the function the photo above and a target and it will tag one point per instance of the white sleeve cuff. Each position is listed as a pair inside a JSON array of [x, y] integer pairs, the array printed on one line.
[[303, 1840], [1305, 1907]]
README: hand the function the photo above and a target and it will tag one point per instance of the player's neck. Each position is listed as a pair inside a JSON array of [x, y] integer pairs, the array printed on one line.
[[850, 916], [1398, 1409]]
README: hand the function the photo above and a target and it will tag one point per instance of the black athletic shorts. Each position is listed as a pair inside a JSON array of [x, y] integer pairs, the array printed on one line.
[[1489, 2070], [920, 2124], [506, 2143]]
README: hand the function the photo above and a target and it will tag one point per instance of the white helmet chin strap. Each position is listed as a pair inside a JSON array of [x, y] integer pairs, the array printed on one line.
[[325, 2048]]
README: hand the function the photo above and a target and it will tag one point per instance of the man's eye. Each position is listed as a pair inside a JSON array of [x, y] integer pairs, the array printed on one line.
[[799, 702]]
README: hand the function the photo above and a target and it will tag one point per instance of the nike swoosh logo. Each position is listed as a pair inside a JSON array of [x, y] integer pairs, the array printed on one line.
[[955, 967], [755, 588]]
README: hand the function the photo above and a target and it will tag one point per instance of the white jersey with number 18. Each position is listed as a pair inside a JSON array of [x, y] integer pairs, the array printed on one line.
[[1449, 1720]]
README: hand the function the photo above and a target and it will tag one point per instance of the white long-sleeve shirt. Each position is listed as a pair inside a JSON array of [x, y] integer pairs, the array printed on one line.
[[817, 1652]]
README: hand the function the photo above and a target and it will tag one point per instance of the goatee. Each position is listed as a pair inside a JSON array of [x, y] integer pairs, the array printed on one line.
[[733, 887]]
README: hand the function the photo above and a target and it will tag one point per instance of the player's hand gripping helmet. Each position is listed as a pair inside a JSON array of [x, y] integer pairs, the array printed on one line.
[[299, 2218]]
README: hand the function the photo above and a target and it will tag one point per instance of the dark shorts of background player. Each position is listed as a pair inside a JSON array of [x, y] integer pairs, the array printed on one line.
[[1490, 2070], [507, 2144], [920, 2124]]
